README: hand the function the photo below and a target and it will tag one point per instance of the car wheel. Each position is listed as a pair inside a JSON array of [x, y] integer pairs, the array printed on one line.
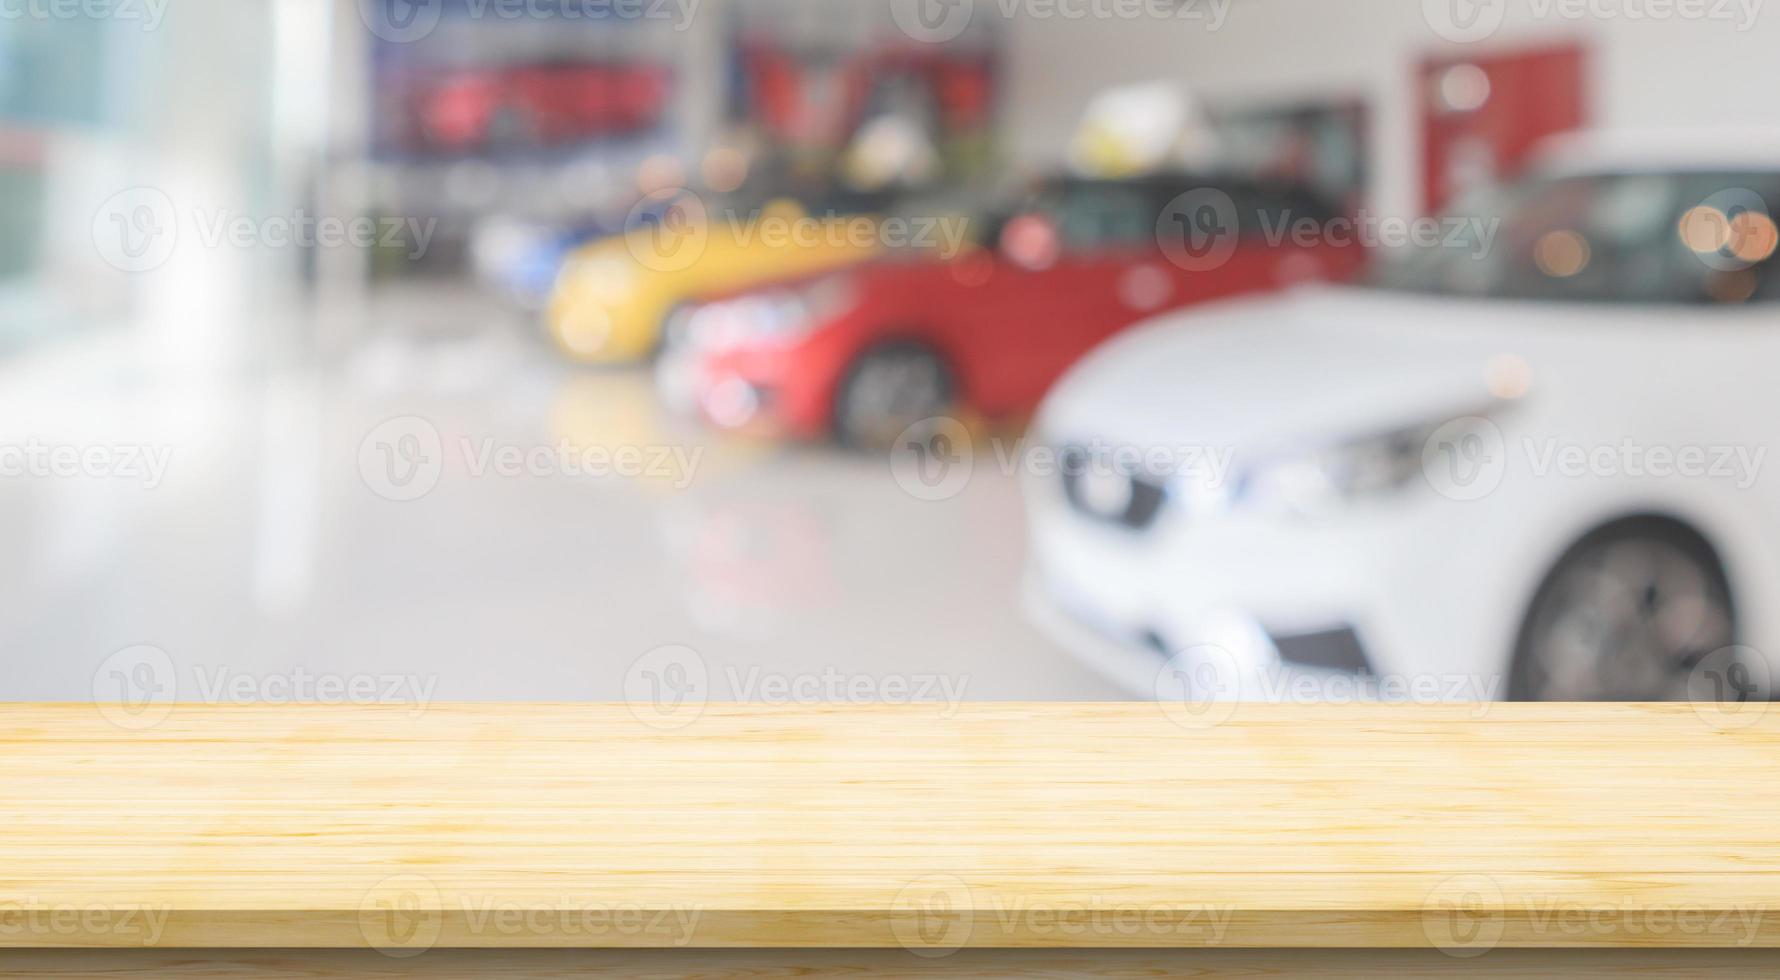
[[888, 389], [1626, 615]]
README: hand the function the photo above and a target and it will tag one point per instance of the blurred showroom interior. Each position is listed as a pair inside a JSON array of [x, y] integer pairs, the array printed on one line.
[[261, 237]]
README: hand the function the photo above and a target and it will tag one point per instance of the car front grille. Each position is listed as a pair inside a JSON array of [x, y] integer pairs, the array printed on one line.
[[1126, 500], [1337, 648]]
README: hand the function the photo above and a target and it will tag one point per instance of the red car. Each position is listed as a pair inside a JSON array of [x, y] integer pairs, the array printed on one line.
[[538, 105], [862, 353]]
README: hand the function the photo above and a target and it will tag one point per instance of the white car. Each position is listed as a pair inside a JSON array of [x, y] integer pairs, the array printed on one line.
[[1530, 462]]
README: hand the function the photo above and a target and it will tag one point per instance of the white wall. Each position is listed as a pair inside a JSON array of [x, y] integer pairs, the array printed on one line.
[[1644, 72]]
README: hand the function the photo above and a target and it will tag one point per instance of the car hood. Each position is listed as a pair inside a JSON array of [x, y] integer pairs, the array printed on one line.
[[1311, 364]]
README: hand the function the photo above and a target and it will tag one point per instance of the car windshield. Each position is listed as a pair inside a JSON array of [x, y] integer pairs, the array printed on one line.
[[1093, 214], [1694, 237]]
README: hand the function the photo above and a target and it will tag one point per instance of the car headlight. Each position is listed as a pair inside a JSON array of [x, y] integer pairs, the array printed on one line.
[[612, 277], [1370, 467], [771, 315]]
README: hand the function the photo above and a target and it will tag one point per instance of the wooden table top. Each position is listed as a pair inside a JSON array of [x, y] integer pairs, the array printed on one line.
[[1462, 827]]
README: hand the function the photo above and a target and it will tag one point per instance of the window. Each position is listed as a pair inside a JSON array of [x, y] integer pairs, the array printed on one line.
[[1645, 237]]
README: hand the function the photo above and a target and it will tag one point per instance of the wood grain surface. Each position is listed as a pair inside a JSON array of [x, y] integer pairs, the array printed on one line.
[[869, 964], [1457, 827]]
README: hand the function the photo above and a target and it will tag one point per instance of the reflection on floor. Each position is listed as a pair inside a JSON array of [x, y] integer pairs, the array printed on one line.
[[265, 535]]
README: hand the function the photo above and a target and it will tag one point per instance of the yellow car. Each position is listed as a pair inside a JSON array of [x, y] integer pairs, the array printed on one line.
[[614, 295]]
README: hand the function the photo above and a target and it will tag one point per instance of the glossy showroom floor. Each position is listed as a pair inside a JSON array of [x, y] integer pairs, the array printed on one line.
[[270, 546]]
